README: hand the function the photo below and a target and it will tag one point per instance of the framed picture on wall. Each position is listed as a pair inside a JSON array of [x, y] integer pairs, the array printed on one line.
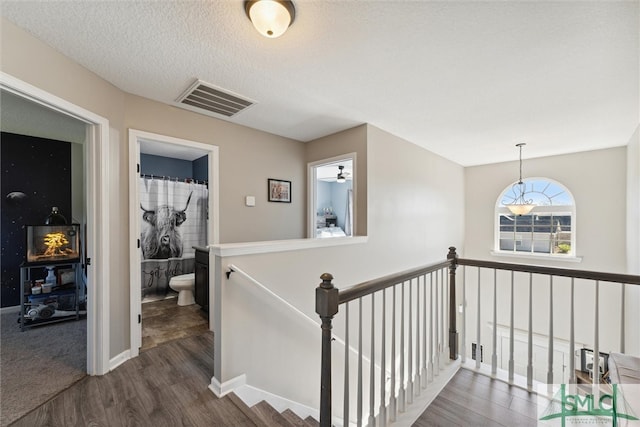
[[279, 190]]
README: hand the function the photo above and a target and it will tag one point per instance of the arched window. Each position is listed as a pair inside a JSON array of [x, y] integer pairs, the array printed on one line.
[[549, 229]]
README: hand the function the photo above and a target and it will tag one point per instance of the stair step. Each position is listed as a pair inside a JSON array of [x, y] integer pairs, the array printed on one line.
[[270, 415], [294, 419], [248, 412], [311, 422]]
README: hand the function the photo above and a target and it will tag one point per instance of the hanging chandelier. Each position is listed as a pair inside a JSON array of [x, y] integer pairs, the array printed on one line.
[[520, 205]]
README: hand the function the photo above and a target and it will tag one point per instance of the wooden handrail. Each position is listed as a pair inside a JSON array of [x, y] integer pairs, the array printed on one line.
[[376, 285], [554, 271]]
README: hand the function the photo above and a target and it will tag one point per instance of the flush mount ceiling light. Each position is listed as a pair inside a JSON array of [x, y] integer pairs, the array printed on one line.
[[341, 178], [520, 206], [270, 17]]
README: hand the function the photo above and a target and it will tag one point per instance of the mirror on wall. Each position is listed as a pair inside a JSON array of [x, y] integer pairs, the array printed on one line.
[[332, 195]]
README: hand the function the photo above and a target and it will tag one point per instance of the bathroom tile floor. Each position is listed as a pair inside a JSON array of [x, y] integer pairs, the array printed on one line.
[[165, 320]]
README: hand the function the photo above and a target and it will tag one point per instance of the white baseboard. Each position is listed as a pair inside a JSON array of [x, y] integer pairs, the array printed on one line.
[[252, 395], [119, 359], [422, 402], [228, 386], [12, 309]]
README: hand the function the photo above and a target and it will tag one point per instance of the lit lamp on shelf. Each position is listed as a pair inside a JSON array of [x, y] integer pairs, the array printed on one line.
[[54, 241], [520, 205]]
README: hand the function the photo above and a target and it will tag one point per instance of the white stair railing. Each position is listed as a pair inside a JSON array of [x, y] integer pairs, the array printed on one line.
[[417, 340], [557, 288]]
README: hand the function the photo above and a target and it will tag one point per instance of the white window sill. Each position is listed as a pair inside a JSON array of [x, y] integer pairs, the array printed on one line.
[[561, 258]]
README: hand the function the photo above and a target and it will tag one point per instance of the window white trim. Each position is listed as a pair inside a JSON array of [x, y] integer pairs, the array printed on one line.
[[537, 256], [540, 209]]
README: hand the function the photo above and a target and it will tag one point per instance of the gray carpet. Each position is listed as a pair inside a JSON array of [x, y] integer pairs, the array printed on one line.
[[38, 363]]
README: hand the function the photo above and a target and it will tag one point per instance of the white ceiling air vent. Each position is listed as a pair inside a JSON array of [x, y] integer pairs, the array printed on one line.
[[204, 96]]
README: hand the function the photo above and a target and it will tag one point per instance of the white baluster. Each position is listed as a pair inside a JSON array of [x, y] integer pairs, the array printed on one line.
[[478, 327], [530, 338], [424, 375], [622, 321], [572, 341], [443, 323], [345, 406], [445, 317], [393, 402], [550, 354], [494, 355], [410, 350], [511, 362], [431, 329], [425, 355], [401, 394], [596, 339], [463, 330], [418, 377], [372, 364], [437, 330], [382, 413], [359, 397]]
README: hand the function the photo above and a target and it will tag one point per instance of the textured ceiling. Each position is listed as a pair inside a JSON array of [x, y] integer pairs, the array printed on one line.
[[466, 80]]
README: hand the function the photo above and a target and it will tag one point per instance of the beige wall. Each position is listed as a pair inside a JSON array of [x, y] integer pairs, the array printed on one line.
[[349, 141], [415, 214], [247, 158], [597, 181], [416, 201]]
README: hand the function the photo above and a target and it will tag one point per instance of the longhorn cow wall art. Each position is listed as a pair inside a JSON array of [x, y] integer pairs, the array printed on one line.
[[161, 238], [173, 221]]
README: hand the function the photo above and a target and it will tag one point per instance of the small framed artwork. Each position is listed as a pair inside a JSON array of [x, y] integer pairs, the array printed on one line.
[[279, 190]]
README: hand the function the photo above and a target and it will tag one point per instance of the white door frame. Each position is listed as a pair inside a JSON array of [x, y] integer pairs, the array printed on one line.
[[96, 160], [135, 136]]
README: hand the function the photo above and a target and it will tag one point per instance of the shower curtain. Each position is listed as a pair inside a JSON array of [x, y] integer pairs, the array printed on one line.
[[174, 219]]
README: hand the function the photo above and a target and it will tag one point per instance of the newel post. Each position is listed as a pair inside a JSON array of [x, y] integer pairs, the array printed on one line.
[[326, 307], [452, 256]]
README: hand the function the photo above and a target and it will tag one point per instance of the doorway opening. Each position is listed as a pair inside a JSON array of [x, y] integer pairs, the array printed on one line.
[[332, 188], [174, 192], [94, 156]]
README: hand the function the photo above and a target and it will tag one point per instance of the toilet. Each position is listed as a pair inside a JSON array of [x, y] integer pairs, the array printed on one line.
[[184, 285]]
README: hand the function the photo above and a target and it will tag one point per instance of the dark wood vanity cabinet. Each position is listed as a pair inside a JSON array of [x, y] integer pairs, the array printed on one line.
[[202, 279]]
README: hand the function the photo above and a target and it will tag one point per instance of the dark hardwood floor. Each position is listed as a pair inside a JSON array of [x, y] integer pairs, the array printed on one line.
[[164, 386], [165, 320], [472, 399], [167, 386]]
